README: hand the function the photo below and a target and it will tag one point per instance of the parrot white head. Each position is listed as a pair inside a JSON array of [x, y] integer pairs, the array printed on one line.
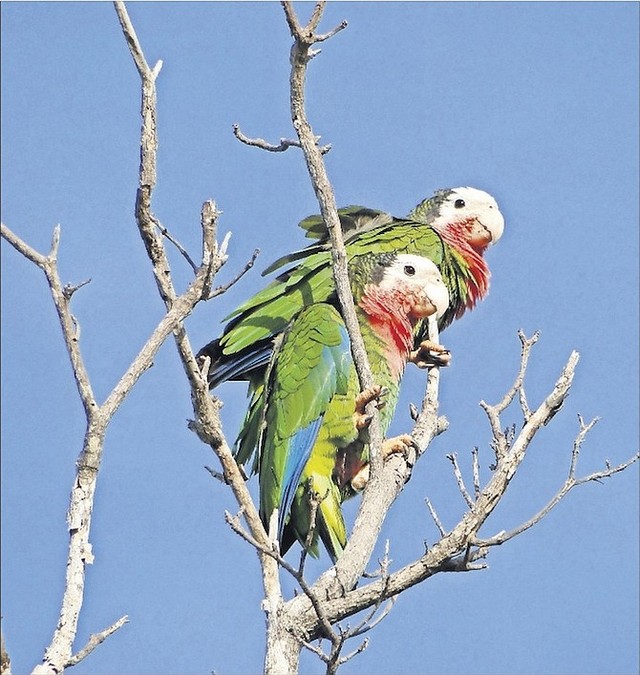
[[423, 282], [478, 209]]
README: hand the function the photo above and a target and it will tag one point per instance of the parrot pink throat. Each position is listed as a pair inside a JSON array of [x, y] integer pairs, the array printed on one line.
[[463, 236], [389, 314]]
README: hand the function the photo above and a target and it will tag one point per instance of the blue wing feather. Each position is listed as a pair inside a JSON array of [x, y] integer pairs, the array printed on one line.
[[299, 453]]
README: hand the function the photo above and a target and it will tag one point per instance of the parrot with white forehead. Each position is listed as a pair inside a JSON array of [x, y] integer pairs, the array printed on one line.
[[312, 443], [453, 228]]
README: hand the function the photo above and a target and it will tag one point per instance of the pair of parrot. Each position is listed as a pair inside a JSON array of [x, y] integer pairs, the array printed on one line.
[[306, 422]]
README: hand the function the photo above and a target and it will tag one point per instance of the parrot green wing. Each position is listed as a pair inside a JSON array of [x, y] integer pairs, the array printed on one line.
[[311, 376], [268, 312]]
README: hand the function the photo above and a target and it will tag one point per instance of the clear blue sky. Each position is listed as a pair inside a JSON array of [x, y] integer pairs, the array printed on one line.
[[536, 103]]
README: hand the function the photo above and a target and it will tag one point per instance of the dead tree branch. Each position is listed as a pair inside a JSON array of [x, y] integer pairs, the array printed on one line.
[[5, 659], [570, 482], [285, 143], [59, 653], [97, 639], [386, 481], [223, 289], [453, 458]]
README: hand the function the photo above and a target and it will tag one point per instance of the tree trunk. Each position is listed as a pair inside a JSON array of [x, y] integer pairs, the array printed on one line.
[[283, 648]]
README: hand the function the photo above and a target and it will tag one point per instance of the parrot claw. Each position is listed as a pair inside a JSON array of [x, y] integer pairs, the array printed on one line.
[[429, 354], [391, 446], [361, 418], [398, 445]]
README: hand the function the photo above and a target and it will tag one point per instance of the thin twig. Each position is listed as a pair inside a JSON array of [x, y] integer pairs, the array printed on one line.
[[70, 289], [436, 519], [526, 344], [223, 289], [315, 650], [452, 457], [343, 659], [234, 523], [569, 484], [49, 265], [183, 252], [369, 624], [285, 143], [95, 640], [500, 442], [476, 473]]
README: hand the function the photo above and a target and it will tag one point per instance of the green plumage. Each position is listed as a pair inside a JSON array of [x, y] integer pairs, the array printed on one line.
[[312, 380], [295, 319], [310, 443], [269, 312]]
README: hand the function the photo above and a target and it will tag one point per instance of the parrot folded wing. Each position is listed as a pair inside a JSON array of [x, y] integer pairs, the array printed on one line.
[[309, 368]]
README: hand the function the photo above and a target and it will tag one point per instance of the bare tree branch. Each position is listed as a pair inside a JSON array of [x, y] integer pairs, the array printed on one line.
[[59, 653], [49, 265], [435, 517], [285, 143], [183, 252], [98, 418], [500, 442], [568, 485], [445, 554], [476, 473], [385, 481], [95, 640], [336, 595], [207, 422], [223, 289], [460, 480], [272, 552]]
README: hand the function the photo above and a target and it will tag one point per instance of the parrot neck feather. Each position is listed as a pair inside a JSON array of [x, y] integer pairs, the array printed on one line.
[[386, 316], [454, 234]]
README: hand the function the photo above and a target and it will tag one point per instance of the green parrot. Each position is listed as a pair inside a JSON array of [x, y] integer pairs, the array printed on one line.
[[312, 442], [453, 228]]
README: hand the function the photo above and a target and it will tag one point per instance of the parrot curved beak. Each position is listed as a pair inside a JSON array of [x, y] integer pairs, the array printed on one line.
[[436, 299], [486, 231], [493, 224]]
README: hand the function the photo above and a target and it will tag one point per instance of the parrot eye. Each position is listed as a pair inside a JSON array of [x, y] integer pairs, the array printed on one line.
[[409, 270], [459, 203]]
